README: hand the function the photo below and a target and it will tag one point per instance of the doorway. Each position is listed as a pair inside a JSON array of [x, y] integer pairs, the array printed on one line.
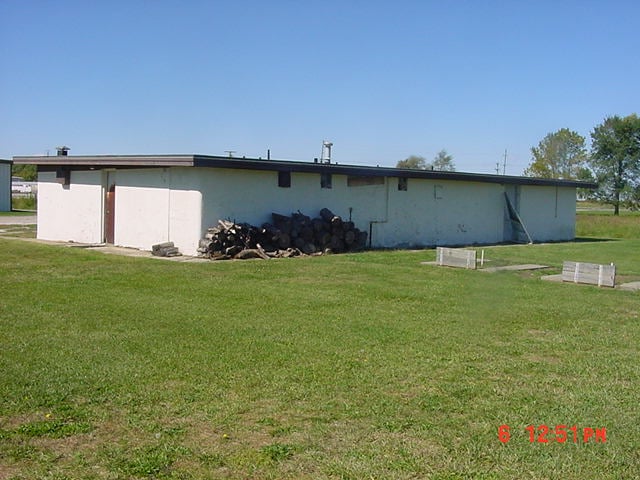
[[110, 214]]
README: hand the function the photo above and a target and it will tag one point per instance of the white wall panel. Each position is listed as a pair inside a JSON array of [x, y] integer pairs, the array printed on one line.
[[549, 213], [158, 205], [251, 196], [185, 210], [178, 204], [142, 208], [70, 212], [428, 213]]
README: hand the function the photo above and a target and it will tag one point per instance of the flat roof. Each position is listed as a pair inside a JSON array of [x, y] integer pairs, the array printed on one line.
[[147, 161]]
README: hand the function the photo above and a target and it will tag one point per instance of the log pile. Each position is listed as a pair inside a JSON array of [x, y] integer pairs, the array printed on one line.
[[165, 249], [286, 236]]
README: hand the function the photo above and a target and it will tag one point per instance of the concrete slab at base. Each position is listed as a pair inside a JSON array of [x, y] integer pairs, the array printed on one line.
[[525, 266], [552, 278], [18, 220], [631, 286], [132, 252]]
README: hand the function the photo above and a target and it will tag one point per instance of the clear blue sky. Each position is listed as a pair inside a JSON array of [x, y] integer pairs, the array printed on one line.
[[381, 79]]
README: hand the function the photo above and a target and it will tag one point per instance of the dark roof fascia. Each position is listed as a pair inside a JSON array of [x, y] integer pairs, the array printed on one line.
[[2, 160], [84, 168], [356, 170], [106, 161], [141, 161]]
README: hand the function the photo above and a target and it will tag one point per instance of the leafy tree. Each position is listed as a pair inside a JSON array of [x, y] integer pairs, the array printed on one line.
[[633, 201], [586, 175], [615, 159], [28, 172], [444, 162], [414, 162], [559, 154]]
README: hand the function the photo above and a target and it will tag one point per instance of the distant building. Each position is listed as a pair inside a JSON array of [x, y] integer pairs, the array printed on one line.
[[140, 200], [5, 185], [18, 185]]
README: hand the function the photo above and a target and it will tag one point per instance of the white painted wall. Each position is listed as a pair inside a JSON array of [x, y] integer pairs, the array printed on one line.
[[72, 212], [251, 196], [429, 213], [151, 206], [442, 213], [158, 205], [142, 207], [179, 203], [549, 213], [5, 186]]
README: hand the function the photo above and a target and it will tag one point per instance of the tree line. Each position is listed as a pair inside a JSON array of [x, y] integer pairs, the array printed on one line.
[[613, 160], [28, 173], [442, 161]]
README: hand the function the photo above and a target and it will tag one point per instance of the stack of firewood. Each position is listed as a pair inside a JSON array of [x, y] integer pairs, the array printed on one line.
[[165, 249], [286, 236]]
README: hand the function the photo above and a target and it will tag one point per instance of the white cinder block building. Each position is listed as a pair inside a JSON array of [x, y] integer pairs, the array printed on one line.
[[5, 185], [138, 200]]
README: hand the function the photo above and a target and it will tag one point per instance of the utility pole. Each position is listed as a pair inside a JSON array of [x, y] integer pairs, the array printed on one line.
[[504, 164], [497, 168]]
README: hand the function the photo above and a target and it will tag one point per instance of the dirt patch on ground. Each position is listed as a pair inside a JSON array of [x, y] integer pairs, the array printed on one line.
[[18, 219], [542, 359], [7, 472], [539, 333]]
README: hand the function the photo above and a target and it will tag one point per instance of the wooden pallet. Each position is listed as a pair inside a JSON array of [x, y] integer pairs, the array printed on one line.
[[591, 273], [456, 257]]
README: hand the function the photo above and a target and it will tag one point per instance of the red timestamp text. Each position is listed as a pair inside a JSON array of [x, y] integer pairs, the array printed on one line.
[[558, 434]]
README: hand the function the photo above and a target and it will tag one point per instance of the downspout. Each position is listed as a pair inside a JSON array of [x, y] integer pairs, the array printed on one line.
[[386, 212], [169, 186], [103, 205]]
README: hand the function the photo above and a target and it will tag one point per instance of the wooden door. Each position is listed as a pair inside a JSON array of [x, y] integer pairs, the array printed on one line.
[[110, 215]]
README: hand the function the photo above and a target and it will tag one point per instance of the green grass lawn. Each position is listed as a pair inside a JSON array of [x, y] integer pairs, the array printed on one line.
[[355, 366], [21, 231], [28, 202], [18, 213], [605, 224]]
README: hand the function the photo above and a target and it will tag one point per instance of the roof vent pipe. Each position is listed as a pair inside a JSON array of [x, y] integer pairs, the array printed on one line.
[[62, 151], [326, 152]]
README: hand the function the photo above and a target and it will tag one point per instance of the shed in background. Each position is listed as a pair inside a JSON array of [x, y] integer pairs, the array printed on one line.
[[5, 185]]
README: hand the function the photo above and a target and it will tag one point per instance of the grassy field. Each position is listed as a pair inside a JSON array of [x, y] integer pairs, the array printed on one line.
[[17, 213], [28, 202], [605, 224], [355, 366], [19, 231]]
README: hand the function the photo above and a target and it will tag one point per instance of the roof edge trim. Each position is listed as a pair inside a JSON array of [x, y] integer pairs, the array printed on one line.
[[145, 161]]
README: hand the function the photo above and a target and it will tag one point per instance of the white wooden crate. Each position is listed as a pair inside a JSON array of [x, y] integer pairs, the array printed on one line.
[[456, 257], [591, 273]]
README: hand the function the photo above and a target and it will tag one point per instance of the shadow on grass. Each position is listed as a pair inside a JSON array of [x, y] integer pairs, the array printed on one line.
[[594, 239]]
